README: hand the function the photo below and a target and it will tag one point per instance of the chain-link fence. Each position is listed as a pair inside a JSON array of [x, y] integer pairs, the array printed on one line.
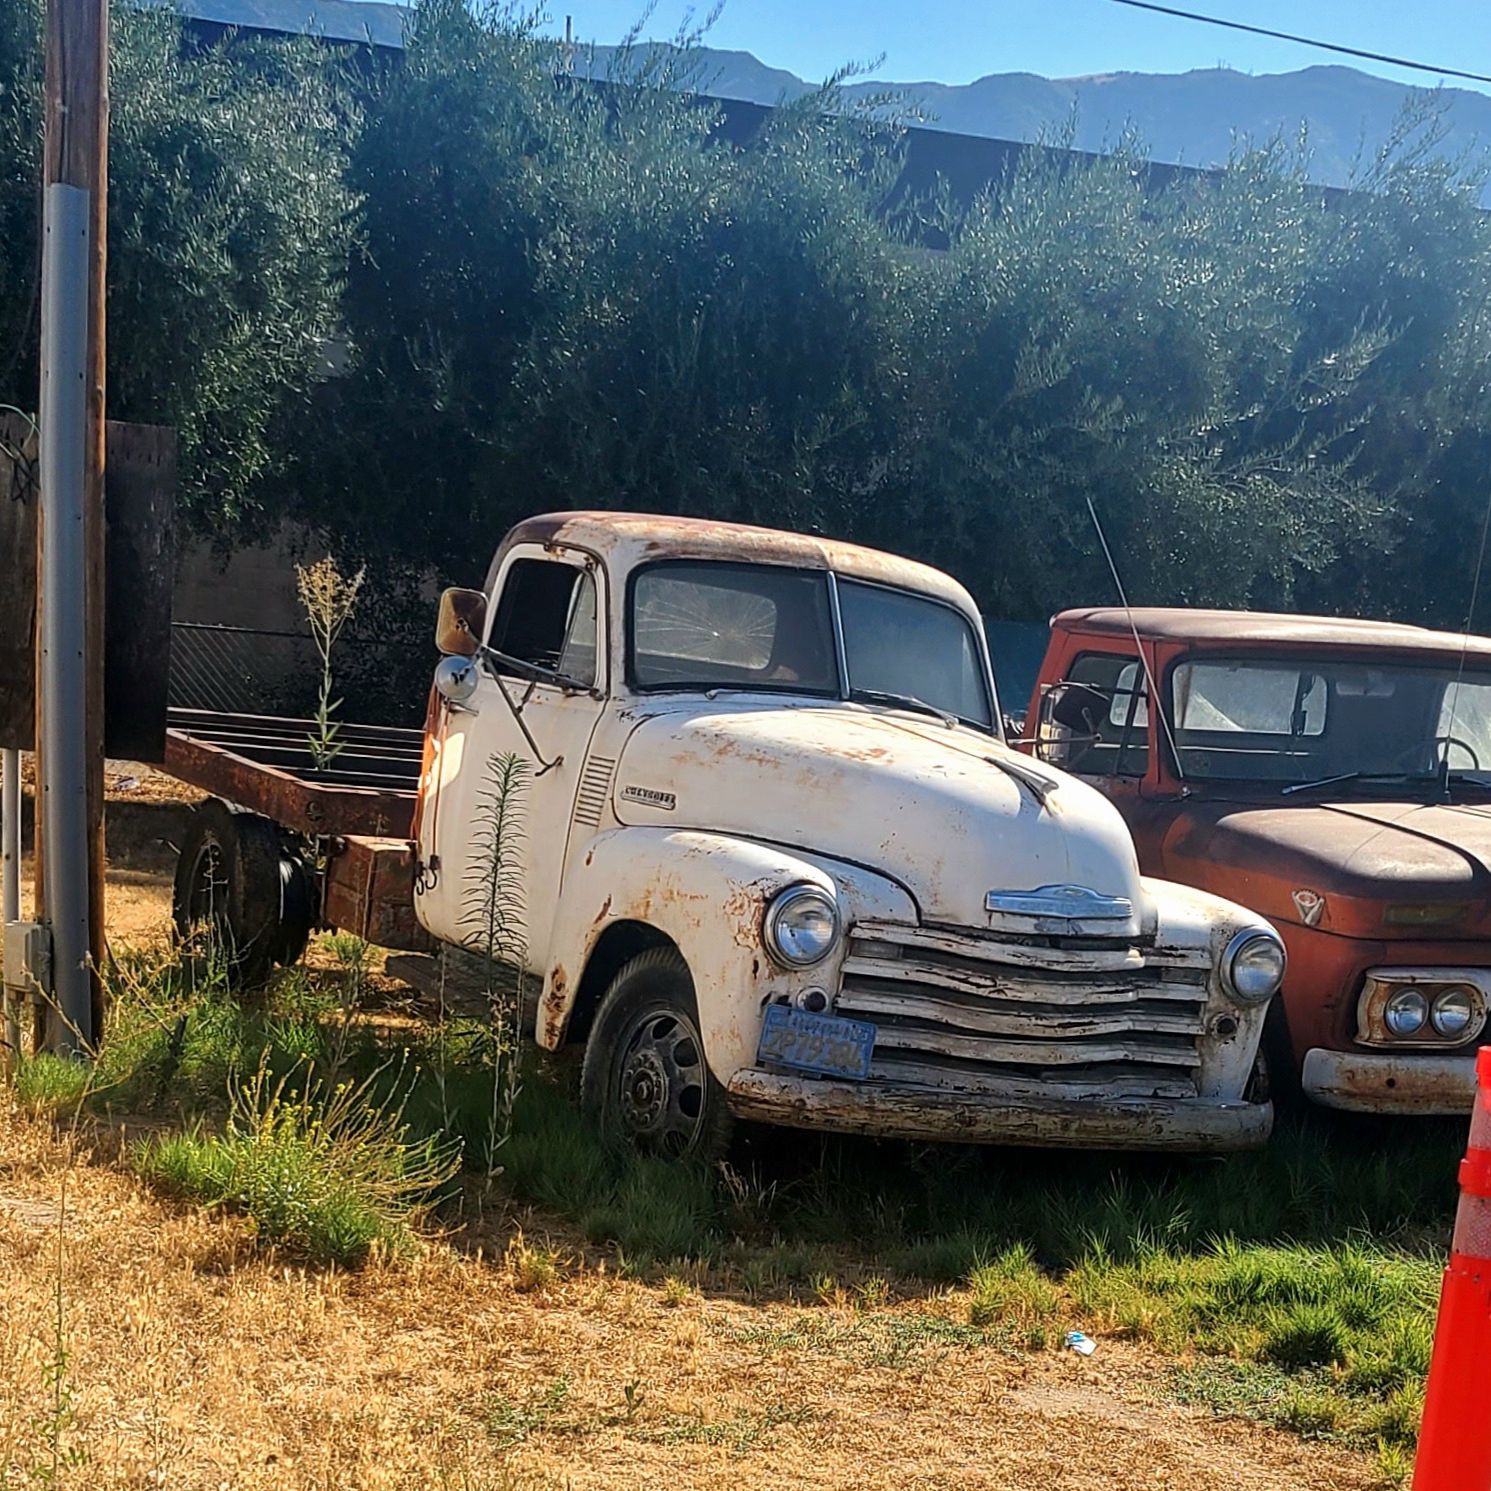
[[246, 670]]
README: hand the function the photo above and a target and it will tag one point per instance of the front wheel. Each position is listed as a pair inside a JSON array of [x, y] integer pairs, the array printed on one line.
[[644, 1078]]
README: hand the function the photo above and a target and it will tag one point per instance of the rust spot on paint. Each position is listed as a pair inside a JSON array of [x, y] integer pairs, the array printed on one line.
[[553, 1010], [744, 907], [859, 753]]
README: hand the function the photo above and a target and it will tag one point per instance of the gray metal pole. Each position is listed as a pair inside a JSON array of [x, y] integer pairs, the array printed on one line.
[[10, 837], [62, 678], [10, 894]]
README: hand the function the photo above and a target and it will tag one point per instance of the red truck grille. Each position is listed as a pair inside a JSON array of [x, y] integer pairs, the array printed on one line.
[[962, 1010]]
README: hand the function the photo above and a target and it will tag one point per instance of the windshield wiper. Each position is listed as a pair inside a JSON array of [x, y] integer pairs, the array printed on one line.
[[1357, 776], [906, 701]]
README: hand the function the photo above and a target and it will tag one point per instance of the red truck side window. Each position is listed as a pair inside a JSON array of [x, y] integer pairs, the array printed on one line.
[[1117, 742]]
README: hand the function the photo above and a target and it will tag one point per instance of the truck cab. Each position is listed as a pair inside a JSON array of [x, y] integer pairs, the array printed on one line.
[[1332, 774], [772, 857]]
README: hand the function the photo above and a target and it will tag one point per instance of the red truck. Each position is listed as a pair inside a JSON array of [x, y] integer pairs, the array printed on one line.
[[1333, 775]]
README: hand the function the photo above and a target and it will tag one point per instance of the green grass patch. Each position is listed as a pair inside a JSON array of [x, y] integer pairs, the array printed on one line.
[[330, 1173], [739, 1434], [45, 1083]]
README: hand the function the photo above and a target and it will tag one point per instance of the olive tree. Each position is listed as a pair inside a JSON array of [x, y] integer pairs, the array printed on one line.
[[229, 225]]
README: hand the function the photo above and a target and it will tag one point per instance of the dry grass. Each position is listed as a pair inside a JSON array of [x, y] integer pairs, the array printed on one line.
[[194, 1361], [514, 1354]]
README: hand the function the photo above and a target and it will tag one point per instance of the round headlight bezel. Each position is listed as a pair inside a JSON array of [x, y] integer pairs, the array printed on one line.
[[1398, 1000], [1241, 944], [782, 905], [1467, 1030]]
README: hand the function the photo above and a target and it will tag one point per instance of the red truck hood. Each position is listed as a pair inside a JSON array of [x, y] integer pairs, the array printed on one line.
[[1361, 857]]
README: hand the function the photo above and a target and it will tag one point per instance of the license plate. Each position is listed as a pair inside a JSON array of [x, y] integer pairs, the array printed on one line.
[[827, 1044]]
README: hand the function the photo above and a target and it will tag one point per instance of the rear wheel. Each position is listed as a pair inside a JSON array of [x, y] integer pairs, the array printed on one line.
[[240, 883], [644, 1078]]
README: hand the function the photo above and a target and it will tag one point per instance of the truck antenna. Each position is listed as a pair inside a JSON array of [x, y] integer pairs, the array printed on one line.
[[1475, 590], [1149, 680]]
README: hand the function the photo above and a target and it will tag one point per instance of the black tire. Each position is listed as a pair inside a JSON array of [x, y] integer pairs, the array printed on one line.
[[1277, 1050], [644, 1080], [298, 907], [231, 884]]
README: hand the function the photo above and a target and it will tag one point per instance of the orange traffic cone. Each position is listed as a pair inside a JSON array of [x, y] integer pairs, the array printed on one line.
[[1455, 1440]]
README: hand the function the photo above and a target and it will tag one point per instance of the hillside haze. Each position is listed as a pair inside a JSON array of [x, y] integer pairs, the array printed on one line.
[[1193, 118]]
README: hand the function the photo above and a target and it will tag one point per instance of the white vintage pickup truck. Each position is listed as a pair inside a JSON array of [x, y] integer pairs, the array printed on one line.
[[779, 864]]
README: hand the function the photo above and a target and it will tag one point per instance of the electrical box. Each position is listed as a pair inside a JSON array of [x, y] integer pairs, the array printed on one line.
[[28, 957]]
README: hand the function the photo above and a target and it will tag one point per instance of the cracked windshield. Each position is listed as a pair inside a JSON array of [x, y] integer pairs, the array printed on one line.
[[713, 625]]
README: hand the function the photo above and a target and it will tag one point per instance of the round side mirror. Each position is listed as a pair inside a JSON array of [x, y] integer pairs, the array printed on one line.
[[456, 679]]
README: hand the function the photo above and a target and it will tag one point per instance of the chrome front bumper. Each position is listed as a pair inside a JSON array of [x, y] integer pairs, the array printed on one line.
[[906, 1111], [1390, 1081]]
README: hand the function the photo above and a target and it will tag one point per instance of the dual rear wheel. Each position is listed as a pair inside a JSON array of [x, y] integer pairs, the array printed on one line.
[[242, 883]]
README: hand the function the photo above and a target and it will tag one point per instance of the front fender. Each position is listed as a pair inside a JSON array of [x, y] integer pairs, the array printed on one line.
[[707, 893], [1192, 929]]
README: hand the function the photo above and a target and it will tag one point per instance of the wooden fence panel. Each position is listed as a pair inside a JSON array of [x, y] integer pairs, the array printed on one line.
[[139, 570]]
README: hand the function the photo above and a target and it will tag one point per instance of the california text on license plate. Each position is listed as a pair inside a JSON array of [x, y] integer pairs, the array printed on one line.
[[816, 1043]]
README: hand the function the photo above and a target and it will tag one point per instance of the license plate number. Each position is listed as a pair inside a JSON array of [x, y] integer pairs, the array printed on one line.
[[827, 1044]]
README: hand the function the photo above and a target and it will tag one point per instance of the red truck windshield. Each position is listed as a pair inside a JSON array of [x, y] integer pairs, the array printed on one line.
[[1304, 720]]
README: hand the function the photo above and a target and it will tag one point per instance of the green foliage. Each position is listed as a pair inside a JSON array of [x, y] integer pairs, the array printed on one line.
[[229, 231], [589, 297], [328, 598], [1010, 1288], [547, 294], [493, 909]]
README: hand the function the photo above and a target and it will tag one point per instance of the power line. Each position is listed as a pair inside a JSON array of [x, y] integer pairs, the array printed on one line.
[[1306, 41]]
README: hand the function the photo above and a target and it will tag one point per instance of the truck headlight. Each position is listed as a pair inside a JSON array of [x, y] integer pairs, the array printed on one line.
[[802, 926], [1253, 967], [1451, 1014], [1405, 1012], [1423, 1007]]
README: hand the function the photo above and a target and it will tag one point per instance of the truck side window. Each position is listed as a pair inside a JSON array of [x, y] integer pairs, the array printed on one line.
[[546, 616], [1117, 745]]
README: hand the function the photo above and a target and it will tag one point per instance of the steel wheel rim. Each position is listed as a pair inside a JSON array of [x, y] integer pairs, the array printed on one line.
[[661, 1082], [207, 892]]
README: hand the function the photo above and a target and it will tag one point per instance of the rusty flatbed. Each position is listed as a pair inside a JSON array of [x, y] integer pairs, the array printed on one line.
[[264, 762]]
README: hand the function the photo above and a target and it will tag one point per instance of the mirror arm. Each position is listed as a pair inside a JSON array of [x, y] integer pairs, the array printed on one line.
[[517, 714]]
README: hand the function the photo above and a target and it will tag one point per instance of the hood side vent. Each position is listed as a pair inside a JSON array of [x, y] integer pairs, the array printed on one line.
[[594, 790]]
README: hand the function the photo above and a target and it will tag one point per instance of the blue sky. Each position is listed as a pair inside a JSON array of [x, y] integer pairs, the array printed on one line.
[[955, 41]]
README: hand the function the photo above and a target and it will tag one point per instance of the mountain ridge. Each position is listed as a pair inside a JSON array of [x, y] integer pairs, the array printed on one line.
[[1195, 118]]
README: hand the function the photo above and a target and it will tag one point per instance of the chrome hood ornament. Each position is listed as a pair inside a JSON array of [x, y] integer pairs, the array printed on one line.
[[1060, 910]]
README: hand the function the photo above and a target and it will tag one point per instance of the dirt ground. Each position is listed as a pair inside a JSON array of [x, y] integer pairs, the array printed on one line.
[[192, 1361], [145, 810]]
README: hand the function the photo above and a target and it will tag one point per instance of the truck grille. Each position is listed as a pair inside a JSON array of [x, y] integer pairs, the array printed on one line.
[[1061, 1017]]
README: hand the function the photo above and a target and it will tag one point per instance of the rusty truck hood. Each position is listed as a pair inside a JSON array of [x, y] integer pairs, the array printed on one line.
[[929, 806], [1359, 857]]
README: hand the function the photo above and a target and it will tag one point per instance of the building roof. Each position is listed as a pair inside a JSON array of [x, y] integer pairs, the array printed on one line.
[[623, 540], [1268, 629]]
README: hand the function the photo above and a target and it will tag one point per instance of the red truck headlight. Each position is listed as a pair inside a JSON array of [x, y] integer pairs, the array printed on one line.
[[1436, 1007]]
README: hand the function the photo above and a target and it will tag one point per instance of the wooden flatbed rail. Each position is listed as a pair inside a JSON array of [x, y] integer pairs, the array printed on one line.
[[264, 762]]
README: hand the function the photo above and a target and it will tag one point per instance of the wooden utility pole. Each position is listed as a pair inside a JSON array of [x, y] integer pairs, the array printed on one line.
[[70, 558]]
